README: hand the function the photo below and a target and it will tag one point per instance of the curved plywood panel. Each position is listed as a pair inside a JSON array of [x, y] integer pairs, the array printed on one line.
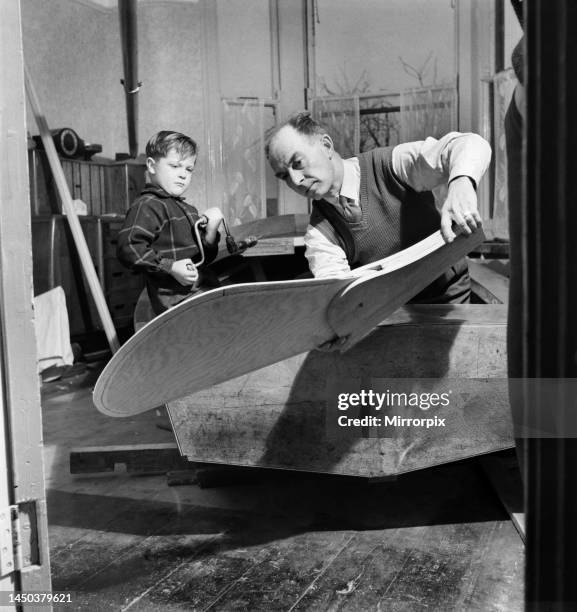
[[230, 331]]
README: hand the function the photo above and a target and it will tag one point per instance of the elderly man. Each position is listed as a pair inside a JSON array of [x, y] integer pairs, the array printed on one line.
[[368, 207]]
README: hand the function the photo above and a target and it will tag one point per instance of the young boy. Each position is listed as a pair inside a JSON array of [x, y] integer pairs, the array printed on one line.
[[158, 235]]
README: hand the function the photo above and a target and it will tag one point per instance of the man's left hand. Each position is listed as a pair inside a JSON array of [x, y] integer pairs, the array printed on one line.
[[460, 208]]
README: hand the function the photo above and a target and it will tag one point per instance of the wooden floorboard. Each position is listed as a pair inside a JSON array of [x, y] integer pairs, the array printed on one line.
[[264, 576], [497, 572], [436, 539]]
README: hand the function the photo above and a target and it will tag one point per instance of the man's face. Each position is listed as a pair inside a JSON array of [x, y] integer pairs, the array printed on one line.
[[304, 163], [173, 172]]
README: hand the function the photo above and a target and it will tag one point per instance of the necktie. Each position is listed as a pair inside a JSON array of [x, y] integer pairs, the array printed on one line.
[[351, 211]]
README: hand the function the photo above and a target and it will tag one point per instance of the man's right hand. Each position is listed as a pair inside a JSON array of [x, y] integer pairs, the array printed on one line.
[[184, 271], [460, 208]]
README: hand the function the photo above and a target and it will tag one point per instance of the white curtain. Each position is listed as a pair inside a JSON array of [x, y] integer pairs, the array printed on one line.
[[243, 161], [428, 111], [341, 118]]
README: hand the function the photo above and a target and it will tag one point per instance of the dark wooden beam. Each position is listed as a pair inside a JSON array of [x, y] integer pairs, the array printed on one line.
[[133, 458], [549, 222]]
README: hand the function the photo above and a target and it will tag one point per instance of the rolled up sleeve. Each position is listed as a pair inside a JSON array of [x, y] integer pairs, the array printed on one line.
[[326, 259], [426, 164]]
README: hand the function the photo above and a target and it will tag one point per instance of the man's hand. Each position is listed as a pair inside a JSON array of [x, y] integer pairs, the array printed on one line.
[[460, 208], [184, 271]]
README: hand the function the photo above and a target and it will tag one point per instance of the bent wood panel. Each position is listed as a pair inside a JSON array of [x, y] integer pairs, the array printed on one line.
[[361, 305], [284, 415], [227, 332], [213, 337]]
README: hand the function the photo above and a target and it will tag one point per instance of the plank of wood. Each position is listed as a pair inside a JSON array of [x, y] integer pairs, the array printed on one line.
[[271, 227], [207, 476], [490, 285], [134, 458], [272, 233], [233, 330], [272, 246], [70, 212]]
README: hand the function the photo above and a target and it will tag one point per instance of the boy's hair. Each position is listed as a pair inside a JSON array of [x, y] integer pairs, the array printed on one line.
[[302, 122], [163, 142]]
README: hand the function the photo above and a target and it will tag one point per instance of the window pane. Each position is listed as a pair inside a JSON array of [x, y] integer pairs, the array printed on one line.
[[367, 46], [245, 48]]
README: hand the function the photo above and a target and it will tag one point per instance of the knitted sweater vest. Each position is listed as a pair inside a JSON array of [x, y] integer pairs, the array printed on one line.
[[394, 217]]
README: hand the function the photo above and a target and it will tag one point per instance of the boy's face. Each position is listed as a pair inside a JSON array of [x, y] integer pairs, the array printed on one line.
[[173, 172]]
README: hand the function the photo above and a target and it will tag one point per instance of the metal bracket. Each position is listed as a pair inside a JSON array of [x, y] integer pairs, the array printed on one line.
[[7, 565], [18, 537]]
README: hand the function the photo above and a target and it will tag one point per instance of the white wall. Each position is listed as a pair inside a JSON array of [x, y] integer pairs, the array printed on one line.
[[72, 48], [369, 36], [244, 43], [74, 56]]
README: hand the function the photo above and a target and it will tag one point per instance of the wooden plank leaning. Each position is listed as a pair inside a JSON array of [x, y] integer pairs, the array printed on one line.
[[74, 223]]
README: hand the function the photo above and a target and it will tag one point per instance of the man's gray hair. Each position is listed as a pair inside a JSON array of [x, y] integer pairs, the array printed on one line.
[[302, 122]]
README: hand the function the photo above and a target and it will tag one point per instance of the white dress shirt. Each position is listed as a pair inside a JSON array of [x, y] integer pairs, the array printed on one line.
[[424, 165]]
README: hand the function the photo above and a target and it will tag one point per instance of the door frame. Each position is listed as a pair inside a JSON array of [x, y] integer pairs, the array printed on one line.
[[24, 488]]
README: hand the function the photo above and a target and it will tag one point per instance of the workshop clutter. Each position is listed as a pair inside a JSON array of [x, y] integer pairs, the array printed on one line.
[[105, 186]]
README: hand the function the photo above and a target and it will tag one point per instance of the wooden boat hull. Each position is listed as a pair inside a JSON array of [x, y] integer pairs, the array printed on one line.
[[285, 415]]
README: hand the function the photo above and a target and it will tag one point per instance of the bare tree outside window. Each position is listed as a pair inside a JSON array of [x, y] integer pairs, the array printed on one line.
[[361, 120]]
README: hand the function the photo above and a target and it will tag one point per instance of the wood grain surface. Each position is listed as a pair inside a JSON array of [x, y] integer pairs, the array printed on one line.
[[284, 416], [364, 303], [230, 331], [213, 337]]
